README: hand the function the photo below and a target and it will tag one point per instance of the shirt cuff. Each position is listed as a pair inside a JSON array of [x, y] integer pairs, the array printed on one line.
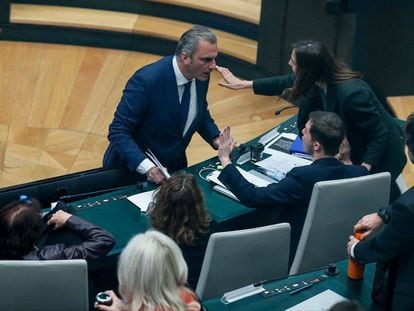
[[145, 166], [352, 249]]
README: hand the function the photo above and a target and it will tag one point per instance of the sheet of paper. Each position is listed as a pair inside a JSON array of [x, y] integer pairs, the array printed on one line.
[[142, 200], [321, 302], [283, 162], [256, 180], [283, 142]]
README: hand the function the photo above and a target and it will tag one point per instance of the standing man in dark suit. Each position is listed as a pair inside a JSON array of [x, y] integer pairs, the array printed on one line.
[[392, 242], [163, 105], [322, 136]]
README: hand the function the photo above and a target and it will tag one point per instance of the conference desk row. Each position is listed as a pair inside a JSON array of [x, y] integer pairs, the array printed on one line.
[[114, 212], [358, 290]]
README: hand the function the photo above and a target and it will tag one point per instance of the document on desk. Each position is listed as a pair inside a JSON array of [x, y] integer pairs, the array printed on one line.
[[257, 181], [221, 188], [282, 143], [321, 302], [282, 162], [142, 200]]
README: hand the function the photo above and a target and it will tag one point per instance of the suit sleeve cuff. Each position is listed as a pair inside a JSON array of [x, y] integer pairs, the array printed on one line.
[[145, 166], [352, 250]]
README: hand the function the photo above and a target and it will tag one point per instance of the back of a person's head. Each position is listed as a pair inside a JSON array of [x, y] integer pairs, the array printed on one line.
[[409, 132], [151, 269], [328, 129], [179, 209], [20, 228]]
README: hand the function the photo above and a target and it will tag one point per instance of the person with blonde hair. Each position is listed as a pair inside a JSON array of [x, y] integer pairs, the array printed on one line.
[[152, 274], [179, 212]]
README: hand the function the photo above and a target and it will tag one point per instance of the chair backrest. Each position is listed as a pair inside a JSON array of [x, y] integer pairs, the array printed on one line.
[[44, 285], [334, 208], [234, 259]]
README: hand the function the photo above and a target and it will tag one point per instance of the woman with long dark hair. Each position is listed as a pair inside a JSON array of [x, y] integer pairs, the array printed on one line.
[[319, 82], [179, 212]]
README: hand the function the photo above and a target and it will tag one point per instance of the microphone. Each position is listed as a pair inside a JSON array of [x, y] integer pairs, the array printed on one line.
[[277, 112]]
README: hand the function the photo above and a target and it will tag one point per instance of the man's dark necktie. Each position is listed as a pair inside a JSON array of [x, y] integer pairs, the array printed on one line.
[[185, 103]]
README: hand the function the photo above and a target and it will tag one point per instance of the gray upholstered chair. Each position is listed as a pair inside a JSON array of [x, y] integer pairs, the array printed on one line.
[[334, 209], [51, 285], [235, 259]]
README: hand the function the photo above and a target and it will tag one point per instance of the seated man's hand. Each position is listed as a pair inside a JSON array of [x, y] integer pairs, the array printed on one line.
[[226, 145], [155, 175], [231, 81], [59, 219], [368, 225]]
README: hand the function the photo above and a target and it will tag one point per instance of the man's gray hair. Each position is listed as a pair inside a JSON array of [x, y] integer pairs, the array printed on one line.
[[189, 39]]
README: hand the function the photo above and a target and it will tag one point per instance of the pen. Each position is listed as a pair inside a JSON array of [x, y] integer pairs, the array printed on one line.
[[298, 290]]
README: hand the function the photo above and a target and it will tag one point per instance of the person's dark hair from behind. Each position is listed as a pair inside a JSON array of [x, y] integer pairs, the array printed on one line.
[[328, 129], [315, 64], [409, 132], [20, 228], [179, 209], [346, 305]]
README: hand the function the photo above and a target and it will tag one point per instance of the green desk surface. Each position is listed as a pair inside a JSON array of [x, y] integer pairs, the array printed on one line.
[[123, 219], [340, 283], [113, 212]]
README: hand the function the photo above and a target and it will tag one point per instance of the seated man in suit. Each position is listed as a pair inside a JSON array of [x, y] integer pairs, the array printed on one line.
[[322, 136], [163, 105], [392, 242]]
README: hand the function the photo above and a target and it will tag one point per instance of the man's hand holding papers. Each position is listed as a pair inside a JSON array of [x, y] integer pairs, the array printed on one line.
[[158, 173]]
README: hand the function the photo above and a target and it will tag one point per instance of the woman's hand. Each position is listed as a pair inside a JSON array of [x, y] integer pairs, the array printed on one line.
[[231, 81], [344, 154]]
